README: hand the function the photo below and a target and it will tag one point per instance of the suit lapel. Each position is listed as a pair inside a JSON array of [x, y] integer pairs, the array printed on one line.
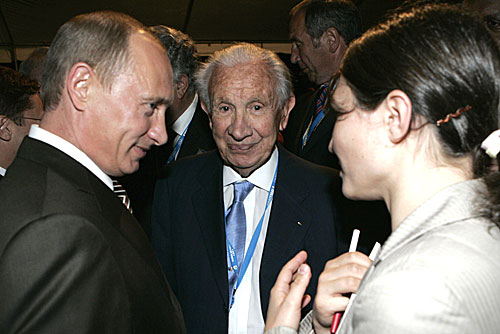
[[208, 206], [311, 105], [198, 136], [323, 129], [284, 233]]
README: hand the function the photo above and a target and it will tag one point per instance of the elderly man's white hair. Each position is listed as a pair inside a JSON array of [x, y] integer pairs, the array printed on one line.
[[244, 53]]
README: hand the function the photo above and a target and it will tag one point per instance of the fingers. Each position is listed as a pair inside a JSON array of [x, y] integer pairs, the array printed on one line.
[[287, 295], [298, 287], [344, 273], [341, 275]]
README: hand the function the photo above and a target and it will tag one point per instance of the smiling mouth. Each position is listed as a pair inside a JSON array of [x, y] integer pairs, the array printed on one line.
[[240, 147], [142, 151]]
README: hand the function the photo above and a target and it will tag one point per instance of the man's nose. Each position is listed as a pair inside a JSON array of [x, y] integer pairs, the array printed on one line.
[[240, 127], [158, 130], [294, 56]]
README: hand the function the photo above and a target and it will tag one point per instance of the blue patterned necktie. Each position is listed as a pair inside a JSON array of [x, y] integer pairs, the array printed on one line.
[[236, 229], [317, 116]]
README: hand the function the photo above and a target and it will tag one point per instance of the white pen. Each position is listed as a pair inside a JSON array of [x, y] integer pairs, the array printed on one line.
[[373, 255], [352, 248]]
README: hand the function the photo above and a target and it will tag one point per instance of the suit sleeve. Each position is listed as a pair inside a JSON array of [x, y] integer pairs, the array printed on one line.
[[58, 275]]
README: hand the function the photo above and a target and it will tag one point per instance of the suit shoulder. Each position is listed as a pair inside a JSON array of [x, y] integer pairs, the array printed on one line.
[[308, 168], [188, 167]]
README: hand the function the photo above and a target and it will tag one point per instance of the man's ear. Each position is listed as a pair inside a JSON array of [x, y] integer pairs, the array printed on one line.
[[332, 39], [285, 112], [181, 86], [5, 133], [78, 84], [205, 109], [398, 115]]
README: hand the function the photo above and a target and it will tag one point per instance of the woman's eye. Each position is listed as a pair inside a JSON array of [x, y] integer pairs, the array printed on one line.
[[492, 23]]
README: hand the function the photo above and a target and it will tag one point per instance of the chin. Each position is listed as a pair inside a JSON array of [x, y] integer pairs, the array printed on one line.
[[132, 167]]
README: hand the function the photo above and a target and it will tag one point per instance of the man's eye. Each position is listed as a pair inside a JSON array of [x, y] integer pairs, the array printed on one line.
[[257, 108], [224, 109], [493, 23]]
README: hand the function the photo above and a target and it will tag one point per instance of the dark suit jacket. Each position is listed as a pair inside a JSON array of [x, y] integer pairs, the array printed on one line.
[[140, 185], [72, 258], [316, 149], [189, 238], [198, 136]]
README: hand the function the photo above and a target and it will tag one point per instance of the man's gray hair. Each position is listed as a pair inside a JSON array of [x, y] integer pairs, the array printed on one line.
[[244, 53], [181, 52]]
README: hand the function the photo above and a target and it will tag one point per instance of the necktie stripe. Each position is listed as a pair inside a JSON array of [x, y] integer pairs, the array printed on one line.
[[317, 116], [122, 195]]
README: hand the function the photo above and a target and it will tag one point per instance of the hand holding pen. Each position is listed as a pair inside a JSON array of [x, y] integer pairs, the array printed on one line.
[[341, 275]]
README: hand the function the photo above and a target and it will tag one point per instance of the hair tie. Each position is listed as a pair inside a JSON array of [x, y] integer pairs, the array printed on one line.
[[453, 115], [492, 144]]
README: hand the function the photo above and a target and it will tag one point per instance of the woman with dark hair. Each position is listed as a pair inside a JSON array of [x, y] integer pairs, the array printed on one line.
[[416, 99]]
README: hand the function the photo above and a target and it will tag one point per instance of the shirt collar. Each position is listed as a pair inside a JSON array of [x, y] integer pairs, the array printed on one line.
[[71, 150], [183, 121], [2, 171], [262, 177]]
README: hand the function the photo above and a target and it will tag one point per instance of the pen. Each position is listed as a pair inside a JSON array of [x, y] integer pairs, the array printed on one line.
[[373, 254], [336, 323], [352, 248]]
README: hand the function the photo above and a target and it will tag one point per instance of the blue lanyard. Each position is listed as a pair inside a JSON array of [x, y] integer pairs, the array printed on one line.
[[313, 124], [178, 144], [240, 272]]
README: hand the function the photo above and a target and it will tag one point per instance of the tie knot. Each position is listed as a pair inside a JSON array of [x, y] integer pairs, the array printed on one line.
[[241, 190], [322, 94]]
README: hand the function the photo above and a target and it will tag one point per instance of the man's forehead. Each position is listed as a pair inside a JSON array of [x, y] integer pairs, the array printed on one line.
[[297, 24], [249, 85], [245, 74]]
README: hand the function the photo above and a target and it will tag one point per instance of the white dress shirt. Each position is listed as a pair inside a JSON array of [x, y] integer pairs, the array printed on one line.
[[71, 150], [246, 314], [2, 171], [181, 124]]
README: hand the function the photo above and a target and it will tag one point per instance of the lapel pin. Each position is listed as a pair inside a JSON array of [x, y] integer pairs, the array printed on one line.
[[299, 223]]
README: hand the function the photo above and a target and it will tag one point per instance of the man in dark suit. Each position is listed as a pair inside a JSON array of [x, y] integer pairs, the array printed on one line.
[[203, 226], [320, 31], [186, 120], [72, 257], [187, 124], [20, 106]]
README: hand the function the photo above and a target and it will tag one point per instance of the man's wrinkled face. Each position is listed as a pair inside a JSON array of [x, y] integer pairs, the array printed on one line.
[[130, 117], [244, 115]]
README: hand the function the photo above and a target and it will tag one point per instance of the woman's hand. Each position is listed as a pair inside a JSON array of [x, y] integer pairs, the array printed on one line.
[[341, 275], [287, 295]]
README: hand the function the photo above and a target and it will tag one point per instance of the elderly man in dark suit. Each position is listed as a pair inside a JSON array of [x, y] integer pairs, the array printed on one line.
[[72, 257], [226, 221]]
